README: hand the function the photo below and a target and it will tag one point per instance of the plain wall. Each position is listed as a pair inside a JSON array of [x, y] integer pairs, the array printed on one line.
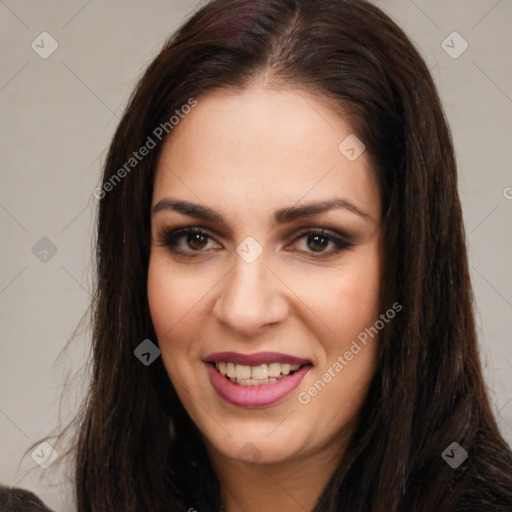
[[57, 118]]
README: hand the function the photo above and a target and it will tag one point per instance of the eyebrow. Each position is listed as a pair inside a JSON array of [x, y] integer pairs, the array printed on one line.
[[280, 216]]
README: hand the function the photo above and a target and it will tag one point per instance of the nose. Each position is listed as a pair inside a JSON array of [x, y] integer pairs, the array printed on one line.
[[251, 298]]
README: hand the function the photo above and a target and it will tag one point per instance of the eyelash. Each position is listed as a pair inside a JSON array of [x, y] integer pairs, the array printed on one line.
[[169, 238]]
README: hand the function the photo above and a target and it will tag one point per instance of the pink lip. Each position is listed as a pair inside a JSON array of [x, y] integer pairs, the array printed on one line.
[[254, 359], [254, 396]]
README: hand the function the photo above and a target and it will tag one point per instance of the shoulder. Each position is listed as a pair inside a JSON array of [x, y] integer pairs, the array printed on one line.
[[14, 499]]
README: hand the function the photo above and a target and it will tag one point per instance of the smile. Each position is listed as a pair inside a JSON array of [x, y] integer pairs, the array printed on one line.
[[246, 380], [256, 375]]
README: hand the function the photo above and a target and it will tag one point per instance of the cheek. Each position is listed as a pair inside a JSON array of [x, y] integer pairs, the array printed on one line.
[[357, 301], [345, 301], [358, 292], [180, 303], [161, 298], [175, 296], [169, 301], [340, 383], [168, 305]]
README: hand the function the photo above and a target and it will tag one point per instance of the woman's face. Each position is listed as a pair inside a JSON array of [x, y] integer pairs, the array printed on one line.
[[254, 287]]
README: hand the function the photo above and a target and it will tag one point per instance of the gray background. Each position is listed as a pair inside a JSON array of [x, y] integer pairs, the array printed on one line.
[[58, 115]]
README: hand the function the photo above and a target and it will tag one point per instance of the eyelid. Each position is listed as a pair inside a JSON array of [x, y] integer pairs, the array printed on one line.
[[176, 233], [323, 230], [341, 241]]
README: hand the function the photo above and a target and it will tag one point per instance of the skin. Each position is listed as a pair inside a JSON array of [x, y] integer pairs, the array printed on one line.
[[246, 154]]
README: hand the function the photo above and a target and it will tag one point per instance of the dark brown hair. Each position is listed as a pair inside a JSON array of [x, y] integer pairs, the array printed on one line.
[[20, 500], [137, 449]]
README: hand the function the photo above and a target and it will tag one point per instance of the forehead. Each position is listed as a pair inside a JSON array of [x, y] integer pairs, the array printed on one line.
[[266, 147]]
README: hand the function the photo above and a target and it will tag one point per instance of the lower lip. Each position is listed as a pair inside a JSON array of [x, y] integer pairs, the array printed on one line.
[[255, 396]]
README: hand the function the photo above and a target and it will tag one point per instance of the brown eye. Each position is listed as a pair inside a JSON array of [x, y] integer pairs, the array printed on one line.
[[196, 241], [186, 241], [321, 242], [317, 243]]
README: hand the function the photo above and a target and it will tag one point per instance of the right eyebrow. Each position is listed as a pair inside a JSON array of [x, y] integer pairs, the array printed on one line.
[[188, 208]]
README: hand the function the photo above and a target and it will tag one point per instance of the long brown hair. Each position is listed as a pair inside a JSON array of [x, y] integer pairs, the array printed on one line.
[[137, 449]]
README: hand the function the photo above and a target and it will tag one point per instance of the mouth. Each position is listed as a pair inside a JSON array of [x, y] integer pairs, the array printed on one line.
[[262, 374], [255, 380]]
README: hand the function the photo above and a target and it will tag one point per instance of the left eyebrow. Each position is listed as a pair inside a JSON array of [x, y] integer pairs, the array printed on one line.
[[315, 208], [280, 216]]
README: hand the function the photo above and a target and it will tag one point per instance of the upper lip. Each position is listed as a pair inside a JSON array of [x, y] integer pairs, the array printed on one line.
[[255, 359]]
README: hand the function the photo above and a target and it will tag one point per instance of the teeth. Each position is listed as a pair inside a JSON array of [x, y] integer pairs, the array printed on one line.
[[254, 382], [230, 370], [242, 372], [274, 370], [255, 375], [259, 372]]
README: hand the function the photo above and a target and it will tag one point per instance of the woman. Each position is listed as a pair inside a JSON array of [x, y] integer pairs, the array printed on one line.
[[283, 315]]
